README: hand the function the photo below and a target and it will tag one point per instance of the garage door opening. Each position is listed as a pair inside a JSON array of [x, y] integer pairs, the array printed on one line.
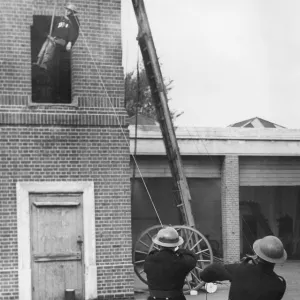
[[270, 210], [206, 207]]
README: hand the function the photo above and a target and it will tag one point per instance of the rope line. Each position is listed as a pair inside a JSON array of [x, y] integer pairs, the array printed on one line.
[[118, 120], [121, 127]]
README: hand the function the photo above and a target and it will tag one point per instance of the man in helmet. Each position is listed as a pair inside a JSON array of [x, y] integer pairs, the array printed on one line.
[[65, 34], [167, 266], [254, 278]]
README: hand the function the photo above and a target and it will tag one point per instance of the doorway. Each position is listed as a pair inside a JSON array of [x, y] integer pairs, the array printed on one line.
[[56, 245]]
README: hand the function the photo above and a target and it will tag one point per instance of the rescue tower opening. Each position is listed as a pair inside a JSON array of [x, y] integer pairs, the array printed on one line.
[[54, 84]]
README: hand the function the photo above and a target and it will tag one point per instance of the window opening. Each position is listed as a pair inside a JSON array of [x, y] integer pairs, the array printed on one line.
[[54, 84]]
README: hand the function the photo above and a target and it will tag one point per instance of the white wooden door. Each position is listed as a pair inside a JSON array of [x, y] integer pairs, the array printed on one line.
[[57, 245]]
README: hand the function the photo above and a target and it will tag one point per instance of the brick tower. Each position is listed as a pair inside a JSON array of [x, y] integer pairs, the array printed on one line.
[[65, 209]]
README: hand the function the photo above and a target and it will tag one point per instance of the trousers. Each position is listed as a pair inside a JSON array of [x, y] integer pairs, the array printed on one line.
[[48, 49]]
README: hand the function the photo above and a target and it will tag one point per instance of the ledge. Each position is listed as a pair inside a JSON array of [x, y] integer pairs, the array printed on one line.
[[215, 133], [219, 141], [66, 119]]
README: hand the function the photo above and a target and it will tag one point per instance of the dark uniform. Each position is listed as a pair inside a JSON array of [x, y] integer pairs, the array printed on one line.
[[166, 271], [66, 30], [249, 280]]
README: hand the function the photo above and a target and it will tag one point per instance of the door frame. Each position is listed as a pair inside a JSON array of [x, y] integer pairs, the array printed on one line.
[[23, 222]]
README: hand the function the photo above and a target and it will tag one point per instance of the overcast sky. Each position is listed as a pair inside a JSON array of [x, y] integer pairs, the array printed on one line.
[[230, 60]]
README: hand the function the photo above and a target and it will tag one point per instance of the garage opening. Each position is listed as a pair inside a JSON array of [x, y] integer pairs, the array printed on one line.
[[274, 210], [53, 85], [206, 207]]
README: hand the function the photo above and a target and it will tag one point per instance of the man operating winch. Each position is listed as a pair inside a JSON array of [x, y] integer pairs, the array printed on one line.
[[254, 278], [167, 267]]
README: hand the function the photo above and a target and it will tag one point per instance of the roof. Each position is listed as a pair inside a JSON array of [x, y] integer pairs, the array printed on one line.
[[218, 141], [256, 122]]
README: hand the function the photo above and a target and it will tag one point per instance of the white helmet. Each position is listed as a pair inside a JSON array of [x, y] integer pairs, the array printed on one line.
[[71, 7], [168, 237]]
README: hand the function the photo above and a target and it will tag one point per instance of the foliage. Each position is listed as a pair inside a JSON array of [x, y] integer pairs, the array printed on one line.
[[138, 96]]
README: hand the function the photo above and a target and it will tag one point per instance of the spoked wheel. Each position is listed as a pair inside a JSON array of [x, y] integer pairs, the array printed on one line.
[[193, 240]]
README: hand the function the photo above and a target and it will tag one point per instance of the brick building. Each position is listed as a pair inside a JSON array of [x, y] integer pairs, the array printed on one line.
[[64, 190], [244, 184]]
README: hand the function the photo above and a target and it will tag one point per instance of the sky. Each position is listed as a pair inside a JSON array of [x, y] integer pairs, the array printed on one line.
[[230, 60]]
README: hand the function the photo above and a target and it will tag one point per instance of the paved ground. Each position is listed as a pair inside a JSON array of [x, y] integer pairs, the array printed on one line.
[[290, 271]]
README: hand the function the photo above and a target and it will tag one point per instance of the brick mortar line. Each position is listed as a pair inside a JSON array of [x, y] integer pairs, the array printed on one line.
[[104, 266], [120, 293], [90, 111], [116, 265], [62, 119], [65, 113], [83, 101]]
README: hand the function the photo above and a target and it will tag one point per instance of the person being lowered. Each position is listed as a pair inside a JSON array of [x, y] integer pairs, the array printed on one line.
[[65, 34]]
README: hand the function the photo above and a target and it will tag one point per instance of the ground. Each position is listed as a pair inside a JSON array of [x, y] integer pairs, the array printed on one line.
[[290, 271]]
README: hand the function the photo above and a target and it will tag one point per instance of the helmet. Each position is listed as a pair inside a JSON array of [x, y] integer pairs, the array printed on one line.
[[71, 7], [270, 249], [168, 237]]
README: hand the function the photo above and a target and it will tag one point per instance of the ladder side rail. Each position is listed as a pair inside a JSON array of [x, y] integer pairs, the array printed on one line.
[[168, 144], [164, 117]]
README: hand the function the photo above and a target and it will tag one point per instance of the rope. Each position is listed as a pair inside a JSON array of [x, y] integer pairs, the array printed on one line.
[[120, 125], [135, 126], [52, 19], [118, 120]]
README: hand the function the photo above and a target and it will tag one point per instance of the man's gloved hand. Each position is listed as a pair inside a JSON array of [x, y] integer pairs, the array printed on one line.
[[249, 259], [69, 46]]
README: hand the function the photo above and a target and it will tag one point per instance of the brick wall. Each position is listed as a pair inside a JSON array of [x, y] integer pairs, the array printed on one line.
[[230, 208], [43, 153], [81, 142], [101, 25]]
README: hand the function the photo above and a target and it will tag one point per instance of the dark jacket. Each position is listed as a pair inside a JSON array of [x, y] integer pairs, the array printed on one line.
[[166, 270], [248, 281], [67, 29]]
